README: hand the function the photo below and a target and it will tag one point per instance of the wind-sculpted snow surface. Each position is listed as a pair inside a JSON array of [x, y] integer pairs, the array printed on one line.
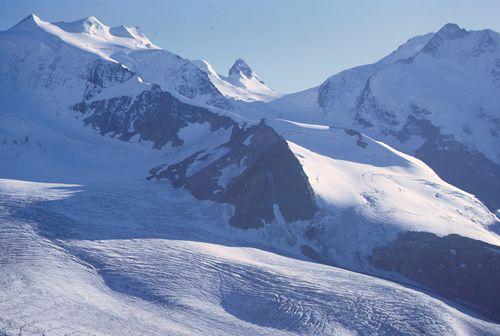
[[85, 259]]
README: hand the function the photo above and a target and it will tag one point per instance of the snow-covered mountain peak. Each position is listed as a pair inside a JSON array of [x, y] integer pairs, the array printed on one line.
[[130, 32], [242, 76], [405, 51], [120, 35], [241, 68], [241, 84], [447, 81], [456, 43], [452, 31], [130, 47], [88, 34], [29, 23], [90, 25]]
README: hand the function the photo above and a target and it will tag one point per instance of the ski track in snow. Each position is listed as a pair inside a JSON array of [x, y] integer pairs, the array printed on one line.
[[134, 259]]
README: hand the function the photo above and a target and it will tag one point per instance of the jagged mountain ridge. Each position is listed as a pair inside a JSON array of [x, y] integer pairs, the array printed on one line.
[[241, 84]]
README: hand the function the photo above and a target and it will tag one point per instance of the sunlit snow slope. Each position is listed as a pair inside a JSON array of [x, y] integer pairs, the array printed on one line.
[[436, 97]]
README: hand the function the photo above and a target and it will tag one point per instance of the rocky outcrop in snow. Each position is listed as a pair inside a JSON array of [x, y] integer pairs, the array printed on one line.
[[255, 171], [154, 116], [454, 266]]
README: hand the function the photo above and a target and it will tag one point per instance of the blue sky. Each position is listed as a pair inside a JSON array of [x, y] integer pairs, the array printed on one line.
[[292, 45]]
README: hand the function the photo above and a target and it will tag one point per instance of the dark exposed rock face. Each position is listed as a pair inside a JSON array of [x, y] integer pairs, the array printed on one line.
[[101, 74], [311, 253], [369, 112], [471, 171], [454, 266], [416, 125], [253, 171], [361, 141], [192, 82], [452, 161], [154, 115], [240, 67]]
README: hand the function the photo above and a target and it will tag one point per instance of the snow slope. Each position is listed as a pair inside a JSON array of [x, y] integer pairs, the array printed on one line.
[[435, 96], [371, 192]]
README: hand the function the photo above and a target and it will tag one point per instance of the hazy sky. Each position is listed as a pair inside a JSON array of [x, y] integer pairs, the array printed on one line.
[[292, 45]]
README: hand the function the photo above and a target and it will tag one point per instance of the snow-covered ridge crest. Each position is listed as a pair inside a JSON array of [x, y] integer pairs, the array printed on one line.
[[70, 45], [88, 34], [93, 26], [195, 80]]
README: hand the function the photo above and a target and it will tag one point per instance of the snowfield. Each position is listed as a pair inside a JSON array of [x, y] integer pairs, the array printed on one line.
[[85, 259]]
